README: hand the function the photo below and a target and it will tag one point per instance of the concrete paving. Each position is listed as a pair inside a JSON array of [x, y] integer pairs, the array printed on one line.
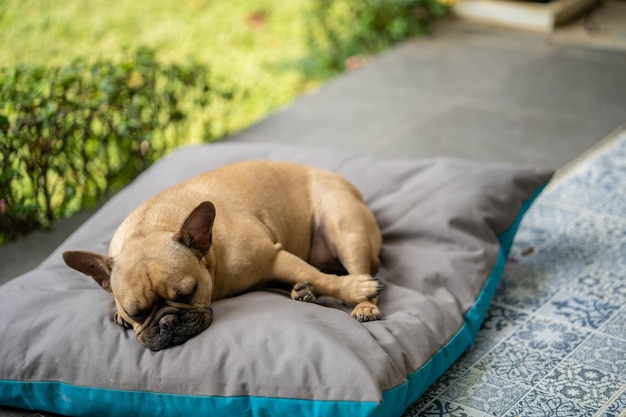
[[483, 94], [487, 95]]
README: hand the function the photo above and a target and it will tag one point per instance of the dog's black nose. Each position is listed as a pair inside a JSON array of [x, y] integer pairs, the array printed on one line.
[[173, 326], [169, 322]]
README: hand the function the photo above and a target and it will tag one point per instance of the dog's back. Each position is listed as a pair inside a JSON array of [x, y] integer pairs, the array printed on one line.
[[282, 196]]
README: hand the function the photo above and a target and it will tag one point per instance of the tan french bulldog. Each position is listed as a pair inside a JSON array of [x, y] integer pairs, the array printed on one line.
[[231, 230]]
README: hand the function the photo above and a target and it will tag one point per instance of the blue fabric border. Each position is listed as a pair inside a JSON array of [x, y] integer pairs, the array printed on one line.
[[74, 400]]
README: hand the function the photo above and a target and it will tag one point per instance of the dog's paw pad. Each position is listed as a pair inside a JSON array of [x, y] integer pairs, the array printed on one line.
[[303, 291], [366, 312]]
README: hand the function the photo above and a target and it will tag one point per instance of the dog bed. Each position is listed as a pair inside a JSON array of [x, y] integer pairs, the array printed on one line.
[[447, 228]]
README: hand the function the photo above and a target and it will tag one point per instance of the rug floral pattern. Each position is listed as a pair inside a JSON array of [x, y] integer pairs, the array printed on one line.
[[554, 340]]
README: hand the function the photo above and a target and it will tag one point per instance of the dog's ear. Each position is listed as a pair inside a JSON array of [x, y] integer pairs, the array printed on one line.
[[196, 231], [93, 264]]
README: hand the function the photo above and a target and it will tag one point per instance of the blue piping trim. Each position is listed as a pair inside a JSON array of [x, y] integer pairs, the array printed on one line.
[[74, 400]]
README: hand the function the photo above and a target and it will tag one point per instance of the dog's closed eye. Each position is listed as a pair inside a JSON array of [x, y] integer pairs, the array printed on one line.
[[184, 296], [139, 316]]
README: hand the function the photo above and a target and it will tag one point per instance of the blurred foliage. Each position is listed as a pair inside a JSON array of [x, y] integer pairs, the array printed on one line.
[[251, 43], [69, 135], [342, 30]]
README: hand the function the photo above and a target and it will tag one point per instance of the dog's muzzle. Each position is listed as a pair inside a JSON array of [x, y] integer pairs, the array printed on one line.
[[172, 326]]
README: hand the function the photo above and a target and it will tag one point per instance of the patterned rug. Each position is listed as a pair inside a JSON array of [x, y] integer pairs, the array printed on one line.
[[554, 340]]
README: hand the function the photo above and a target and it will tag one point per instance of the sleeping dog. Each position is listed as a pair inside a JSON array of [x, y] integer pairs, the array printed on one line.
[[231, 230]]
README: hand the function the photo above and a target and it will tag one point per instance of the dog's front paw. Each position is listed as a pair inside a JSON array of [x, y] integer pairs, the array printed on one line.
[[360, 288], [303, 291], [366, 311]]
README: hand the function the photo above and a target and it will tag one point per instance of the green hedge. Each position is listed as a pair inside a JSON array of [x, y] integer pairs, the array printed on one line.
[[70, 135]]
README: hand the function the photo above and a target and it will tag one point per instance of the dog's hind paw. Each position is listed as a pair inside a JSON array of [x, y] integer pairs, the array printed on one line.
[[366, 311], [303, 291]]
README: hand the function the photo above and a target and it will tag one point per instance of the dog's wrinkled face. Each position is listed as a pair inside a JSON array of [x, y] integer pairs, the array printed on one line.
[[161, 288], [164, 295]]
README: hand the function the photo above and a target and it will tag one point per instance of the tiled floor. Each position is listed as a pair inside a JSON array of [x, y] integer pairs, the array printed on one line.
[[554, 340]]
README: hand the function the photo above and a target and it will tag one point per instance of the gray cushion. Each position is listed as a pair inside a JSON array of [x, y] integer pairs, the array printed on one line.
[[447, 228]]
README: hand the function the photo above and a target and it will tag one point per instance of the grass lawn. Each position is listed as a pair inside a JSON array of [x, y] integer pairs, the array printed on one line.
[[255, 44]]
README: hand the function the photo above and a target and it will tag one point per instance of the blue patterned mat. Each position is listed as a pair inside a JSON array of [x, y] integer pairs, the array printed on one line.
[[554, 340]]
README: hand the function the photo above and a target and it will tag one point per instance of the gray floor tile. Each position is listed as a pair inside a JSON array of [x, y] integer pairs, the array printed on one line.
[[348, 113], [572, 85], [444, 66], [494, 134]]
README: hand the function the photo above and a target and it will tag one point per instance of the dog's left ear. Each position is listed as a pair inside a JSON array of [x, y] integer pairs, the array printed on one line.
[[196, 231], [93, 264]]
